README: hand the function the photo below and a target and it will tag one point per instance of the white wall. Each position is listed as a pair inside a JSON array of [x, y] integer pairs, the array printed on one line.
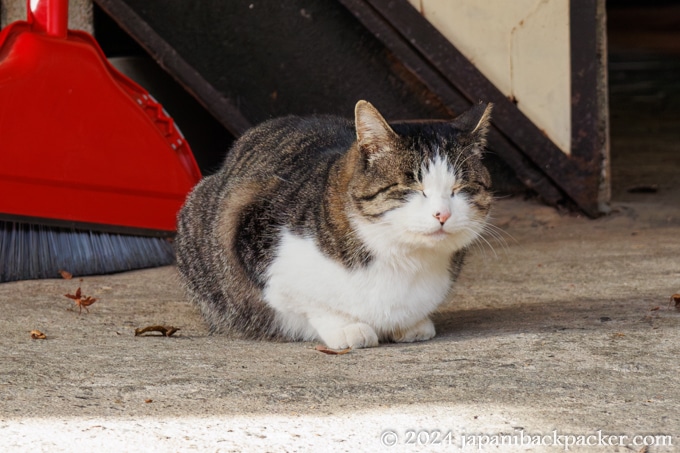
[[521, 46]]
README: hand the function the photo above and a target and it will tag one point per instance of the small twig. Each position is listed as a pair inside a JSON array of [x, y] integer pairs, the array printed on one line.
[[164, 330], [326, 350]]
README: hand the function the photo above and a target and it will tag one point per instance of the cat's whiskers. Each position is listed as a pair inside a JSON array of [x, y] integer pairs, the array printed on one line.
[[458, 166], [493, 232], [498, 234], [479, 242]]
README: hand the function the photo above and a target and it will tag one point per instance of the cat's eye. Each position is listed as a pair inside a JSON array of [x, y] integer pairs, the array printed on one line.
[[469, 190], [417, 190]]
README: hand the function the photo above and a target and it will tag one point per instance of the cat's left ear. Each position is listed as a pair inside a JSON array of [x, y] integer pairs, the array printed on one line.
[[475, 124], [374, 135]]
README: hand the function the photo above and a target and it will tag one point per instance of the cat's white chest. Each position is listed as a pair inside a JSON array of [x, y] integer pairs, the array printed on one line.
[[305, 283]]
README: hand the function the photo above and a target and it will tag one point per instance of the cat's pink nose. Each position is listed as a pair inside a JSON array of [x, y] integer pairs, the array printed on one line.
[[442, 216]]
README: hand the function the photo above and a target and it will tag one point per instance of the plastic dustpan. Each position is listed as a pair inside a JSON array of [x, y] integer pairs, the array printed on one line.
[[80, 144]]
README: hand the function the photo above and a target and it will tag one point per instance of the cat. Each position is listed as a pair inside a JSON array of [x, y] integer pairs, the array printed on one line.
[[350, 233]]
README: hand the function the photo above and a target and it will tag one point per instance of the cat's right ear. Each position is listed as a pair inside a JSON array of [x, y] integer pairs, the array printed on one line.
[[475, 124], [374, 135]]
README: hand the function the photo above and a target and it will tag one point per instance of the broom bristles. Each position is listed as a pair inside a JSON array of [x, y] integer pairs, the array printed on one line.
[[30, 251]]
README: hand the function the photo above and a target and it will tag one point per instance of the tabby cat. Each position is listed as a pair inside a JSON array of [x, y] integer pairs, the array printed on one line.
[[320, 228]]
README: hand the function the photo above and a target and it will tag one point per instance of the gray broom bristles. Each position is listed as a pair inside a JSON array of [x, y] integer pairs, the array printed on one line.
[[29, 251]]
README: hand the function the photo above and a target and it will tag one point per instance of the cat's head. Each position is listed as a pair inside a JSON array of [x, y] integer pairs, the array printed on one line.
[[420, 185]]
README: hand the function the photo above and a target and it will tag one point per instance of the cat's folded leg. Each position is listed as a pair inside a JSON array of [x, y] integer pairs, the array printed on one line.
[[338, 333], [420, 331]]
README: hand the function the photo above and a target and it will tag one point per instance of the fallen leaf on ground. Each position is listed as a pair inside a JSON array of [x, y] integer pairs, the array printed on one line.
[[325, 350], [164, 330], [66, 275], [675, 299], [81, 300], [148, 401], [38, 335]]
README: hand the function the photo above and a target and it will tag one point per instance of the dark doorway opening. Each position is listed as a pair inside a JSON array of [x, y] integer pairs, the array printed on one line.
[[644, 100]]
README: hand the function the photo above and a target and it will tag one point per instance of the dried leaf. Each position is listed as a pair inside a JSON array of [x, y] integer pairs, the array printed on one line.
[[325, 350], [87, 301], [38, 335], [75, 296], [148, 401], [81, 300], [675, 300], [66, 275], [164, 330]]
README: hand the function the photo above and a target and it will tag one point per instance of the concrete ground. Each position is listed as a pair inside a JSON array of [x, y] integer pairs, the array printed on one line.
[[560, 334], [563, 329]]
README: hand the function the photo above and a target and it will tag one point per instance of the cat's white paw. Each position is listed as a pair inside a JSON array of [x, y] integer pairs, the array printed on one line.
[[421, 331], [356, 336]]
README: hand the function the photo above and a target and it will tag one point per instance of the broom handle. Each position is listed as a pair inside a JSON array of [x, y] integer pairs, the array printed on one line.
[[50, 16]]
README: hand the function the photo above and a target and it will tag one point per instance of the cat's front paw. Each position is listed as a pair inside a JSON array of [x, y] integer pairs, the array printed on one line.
[[421, 331], [355, 336]]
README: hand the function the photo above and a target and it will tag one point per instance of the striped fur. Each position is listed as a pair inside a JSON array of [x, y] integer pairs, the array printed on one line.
[[320, 228]]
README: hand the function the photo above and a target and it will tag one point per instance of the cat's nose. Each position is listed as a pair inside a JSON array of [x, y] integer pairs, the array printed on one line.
[[442, 216]]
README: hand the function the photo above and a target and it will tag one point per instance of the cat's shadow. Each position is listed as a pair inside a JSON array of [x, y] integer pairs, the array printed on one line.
[[577, 314]]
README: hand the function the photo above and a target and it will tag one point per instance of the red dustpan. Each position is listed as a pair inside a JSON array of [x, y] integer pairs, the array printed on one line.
[[79, 142], [92, 170]]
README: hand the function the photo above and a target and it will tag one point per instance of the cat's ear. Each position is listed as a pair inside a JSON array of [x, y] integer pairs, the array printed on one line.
[[475, 124], [374, 135]]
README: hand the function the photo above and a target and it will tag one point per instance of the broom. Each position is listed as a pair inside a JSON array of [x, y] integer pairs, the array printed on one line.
[[92, 169]]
